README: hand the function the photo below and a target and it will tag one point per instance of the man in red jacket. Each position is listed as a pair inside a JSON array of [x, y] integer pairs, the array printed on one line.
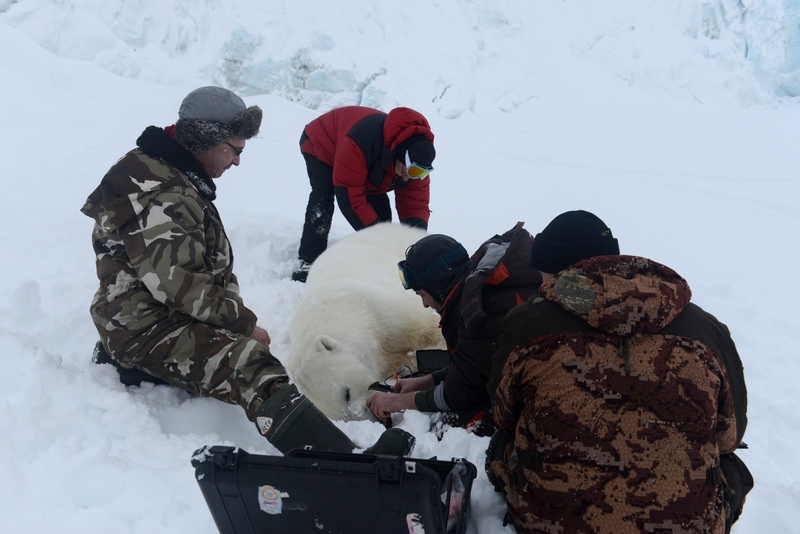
[[357, 155]]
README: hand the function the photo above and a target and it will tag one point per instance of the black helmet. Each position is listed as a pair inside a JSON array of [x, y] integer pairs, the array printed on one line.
[[434, 264]]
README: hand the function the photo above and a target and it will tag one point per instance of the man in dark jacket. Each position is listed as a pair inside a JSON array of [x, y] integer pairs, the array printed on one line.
[[472, 296], [168, 304], [618, 400], [356, 155]]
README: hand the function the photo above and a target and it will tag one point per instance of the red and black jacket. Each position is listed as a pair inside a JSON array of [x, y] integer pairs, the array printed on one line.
[[361, 145]]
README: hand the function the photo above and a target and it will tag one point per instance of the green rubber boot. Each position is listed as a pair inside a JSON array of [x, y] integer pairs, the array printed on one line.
[[289, 420]]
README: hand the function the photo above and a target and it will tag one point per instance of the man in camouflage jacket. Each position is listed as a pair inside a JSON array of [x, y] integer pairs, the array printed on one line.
[[619, 398], [168, 302]]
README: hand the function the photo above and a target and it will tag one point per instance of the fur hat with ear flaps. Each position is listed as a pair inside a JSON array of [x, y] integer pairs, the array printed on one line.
[[209, 116]]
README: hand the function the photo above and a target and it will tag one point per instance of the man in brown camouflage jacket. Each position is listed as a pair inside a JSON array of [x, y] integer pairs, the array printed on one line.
[[619, 398], [168, 302]]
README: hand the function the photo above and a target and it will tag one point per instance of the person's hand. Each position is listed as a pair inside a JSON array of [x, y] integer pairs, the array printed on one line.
[[417, 383], [383, 405], [261, 335]]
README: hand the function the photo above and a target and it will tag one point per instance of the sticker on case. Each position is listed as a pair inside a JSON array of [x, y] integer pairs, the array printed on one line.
[[270, 500], [264, 424]]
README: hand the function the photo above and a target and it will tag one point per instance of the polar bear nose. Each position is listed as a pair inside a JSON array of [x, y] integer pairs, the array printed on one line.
[[347, 395]]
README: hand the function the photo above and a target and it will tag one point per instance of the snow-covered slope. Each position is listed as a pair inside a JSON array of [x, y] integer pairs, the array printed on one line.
[[675, 122]]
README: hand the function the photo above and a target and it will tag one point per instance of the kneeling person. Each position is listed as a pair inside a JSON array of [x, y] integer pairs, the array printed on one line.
[[620, 402], [472, 295], [168, 302]]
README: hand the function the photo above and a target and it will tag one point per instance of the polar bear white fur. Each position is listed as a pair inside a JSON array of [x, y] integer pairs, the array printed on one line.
[[355, 323]]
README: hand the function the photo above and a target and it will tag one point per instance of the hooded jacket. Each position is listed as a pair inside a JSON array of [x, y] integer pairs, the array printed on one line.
[[498, 278], [163, 258], [361, 145], [616, 393]]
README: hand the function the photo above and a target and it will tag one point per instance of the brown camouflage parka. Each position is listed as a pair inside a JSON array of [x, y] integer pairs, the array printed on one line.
[[616, 422], [168, 301]]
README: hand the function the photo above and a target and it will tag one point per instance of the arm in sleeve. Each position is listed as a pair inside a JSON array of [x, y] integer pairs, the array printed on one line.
[[412, 202], [734, 371], [465, 384], [350, 185], [701, 325], [432, 400], [515, 330], [727, 439], [167, 247], [507, 400], [440, 374]]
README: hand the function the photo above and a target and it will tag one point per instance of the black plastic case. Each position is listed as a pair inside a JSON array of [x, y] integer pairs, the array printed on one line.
[[325, 492]]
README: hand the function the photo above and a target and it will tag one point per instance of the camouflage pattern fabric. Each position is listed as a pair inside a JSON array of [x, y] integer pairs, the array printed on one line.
[[168, 301], [616, 428]]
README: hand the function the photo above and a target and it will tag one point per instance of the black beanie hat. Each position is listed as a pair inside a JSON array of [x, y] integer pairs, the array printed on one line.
[[571, 237], [434, 264], [419, 150]]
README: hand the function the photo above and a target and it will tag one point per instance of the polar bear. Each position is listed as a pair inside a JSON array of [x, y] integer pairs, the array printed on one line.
[[355, 323]]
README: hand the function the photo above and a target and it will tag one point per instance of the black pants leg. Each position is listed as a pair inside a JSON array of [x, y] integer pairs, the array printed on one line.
[[319, 211]]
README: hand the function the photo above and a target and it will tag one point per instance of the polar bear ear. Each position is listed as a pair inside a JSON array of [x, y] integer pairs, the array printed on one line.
[[325, 343]]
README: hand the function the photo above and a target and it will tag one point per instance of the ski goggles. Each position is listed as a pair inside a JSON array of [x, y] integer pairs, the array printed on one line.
[[405, 277], [415, 171]]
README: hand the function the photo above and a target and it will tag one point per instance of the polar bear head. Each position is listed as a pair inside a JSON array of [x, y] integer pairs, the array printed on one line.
[[335, 375]]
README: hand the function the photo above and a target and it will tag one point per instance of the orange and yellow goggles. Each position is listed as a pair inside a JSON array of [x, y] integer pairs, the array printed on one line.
[[404, 279], [415, 171]]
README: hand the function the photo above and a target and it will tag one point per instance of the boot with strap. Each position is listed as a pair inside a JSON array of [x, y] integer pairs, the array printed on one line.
[[289, 420]]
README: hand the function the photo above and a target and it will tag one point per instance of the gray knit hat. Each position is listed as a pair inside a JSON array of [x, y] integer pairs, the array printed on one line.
[[210, 115]]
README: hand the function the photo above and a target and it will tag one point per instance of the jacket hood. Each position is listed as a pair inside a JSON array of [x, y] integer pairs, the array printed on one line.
[[403, 123], [620, 295], [502, 261]]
